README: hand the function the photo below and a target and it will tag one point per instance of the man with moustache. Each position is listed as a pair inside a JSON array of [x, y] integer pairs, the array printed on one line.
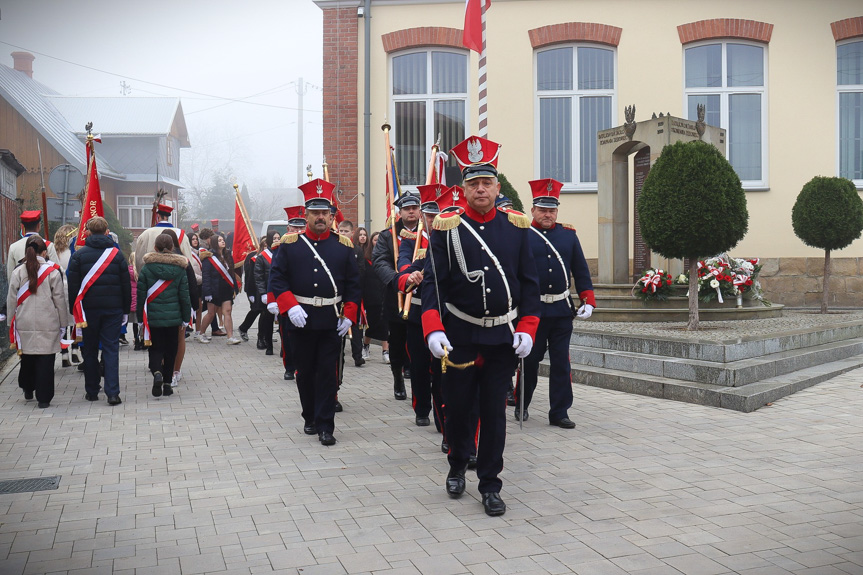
[[314, 280]]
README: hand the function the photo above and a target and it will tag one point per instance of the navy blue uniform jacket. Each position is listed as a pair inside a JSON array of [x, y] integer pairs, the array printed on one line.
[[553, 280], [296, 272], [511, 245], [406, 268]]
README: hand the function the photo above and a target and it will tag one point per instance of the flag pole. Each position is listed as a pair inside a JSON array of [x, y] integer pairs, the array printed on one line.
[[391, 199], [483, 81], [430, 179]]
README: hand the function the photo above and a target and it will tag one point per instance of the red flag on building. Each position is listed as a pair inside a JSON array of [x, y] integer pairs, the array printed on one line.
[[92, 205], [472, 36], [244, 242]]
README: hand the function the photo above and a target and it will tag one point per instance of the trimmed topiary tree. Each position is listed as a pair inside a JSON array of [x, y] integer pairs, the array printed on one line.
[[692, 205], [828, 215]]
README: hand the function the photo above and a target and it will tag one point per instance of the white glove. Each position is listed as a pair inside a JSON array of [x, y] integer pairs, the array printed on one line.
[[264, 298], [273, 308], [252, 299], [343, 326], [208, 298], [522, 344], [125, 319], [297, 315], [2, 317], [438, 344], [584, 311]]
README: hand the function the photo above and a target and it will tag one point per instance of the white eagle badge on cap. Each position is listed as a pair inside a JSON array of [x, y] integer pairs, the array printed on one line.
[[474, 151], [319, 189]]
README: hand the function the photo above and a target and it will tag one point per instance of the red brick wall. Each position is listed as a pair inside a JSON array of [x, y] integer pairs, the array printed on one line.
[[341, 66], [426, 36], [848, 28], [725, 28], [574, 32]]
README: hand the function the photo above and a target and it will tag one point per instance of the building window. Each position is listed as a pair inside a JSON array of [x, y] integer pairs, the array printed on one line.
[[169, 147], [849, 80], [8, 179], [429, 97], [135, 211], [729, 78], [575, 96]]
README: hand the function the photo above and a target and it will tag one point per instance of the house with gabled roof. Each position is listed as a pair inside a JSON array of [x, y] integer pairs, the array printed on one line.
[[140, 144]]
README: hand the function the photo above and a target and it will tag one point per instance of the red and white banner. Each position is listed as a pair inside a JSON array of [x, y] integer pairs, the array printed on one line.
[[472, 36], [93, 198], [152, 293]]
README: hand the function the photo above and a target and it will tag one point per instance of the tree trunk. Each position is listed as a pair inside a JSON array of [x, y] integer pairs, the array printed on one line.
[[825, 291], [693, 295]]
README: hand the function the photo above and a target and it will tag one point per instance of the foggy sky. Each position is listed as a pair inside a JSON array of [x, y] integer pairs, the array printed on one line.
[[219, 48]]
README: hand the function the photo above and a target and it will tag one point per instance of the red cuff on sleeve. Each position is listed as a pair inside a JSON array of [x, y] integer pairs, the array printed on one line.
[[351, 311], [404, 267], [528, 324], [403, 282], [432, 322], [286, 301], [588, 297], [271, 297]]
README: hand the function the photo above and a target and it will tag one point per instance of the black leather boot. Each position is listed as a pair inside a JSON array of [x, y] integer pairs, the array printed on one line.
[[399, 386]]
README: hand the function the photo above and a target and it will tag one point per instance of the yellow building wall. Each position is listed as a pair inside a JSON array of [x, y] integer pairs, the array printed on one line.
[[801, 93]]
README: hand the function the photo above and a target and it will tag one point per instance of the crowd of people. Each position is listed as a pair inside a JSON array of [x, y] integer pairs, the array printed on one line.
[[464, 293]]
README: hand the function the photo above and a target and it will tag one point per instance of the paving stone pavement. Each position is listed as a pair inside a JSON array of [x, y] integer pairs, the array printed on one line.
[[219, 478]]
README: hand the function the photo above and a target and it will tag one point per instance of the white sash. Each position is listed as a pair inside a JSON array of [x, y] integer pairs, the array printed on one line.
[[326, 269], [152, 293]]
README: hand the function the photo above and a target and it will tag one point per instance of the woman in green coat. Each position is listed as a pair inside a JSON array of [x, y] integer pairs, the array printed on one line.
[[163, 305]]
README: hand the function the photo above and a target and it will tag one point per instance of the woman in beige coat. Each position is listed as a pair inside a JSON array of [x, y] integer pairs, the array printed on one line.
[[39, 308]]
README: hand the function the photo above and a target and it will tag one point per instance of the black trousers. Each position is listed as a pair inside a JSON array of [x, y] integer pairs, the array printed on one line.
[[315, 356], [554, 334], [36, 373], [421, 376], [265, 329], [250, 319], [356, 342], [163, 352], [398, 339], [287, 346], [484, 386]]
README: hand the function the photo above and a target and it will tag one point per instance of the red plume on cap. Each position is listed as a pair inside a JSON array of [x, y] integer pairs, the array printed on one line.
[[30, 216], [476, 150], [318, 194]]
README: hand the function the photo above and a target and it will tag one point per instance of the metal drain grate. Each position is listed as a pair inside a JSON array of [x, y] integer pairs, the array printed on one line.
[[27, 485]]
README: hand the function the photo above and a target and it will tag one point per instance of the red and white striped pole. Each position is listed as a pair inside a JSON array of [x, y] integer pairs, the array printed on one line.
[[483, 78]]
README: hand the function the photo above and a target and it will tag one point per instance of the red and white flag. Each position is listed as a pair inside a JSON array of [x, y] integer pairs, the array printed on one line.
[[93, 198], [472, 37]]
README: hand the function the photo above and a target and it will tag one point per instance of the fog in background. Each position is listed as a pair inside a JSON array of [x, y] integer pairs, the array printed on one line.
[[235, 66]]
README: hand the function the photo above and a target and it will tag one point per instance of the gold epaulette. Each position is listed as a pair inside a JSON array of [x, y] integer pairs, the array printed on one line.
[[421, 253], [567, 226], [408, 235], [276, 243], [518, 219], [346, 241], [289, 238], [447, 221]]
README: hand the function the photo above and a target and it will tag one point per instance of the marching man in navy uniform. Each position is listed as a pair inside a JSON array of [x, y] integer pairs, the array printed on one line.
[[314, 280], [558, 255], [480, 310]]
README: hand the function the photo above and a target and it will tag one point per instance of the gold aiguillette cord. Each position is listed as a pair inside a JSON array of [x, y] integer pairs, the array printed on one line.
[[445, 363]]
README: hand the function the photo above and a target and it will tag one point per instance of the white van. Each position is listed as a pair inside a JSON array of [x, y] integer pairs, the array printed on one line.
[[270, 226]]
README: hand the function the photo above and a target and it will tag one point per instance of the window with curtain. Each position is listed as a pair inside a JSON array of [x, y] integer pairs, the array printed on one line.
[[575, 93], [136, 211], [729, 78], [849, 83], [429, 97]]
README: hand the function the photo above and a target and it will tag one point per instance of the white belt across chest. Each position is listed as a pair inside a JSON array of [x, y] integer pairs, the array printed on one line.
[[553, 297], [416, 301], [483, 321], [318, 301]]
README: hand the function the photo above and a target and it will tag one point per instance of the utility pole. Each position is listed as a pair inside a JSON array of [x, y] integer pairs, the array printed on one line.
[[301, 89]]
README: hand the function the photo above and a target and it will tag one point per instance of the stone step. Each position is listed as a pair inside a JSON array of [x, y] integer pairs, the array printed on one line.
[[641, 314], [673, 302], [721, 351], [746, 398], [729, 374]]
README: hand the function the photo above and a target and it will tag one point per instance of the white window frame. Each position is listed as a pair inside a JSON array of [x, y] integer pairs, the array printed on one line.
[[429, 98], [840, 89], [724, 92], [576, 186], [146, 209]]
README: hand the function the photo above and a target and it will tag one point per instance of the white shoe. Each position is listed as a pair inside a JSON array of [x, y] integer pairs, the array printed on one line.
[[203, 338], [386, 356], [176, 379], [366, 353], [233, 340]]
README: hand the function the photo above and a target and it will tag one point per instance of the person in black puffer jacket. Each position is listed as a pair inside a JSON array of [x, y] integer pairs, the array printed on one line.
[[102, 307], [167, 308], [261, 276], [255, 305]]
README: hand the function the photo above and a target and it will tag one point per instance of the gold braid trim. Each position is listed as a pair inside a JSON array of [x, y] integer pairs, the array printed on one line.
[[446, 222], [567, 226], [421, 253], [345, 241], [518, 219], [289, 238], [407, 235]]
